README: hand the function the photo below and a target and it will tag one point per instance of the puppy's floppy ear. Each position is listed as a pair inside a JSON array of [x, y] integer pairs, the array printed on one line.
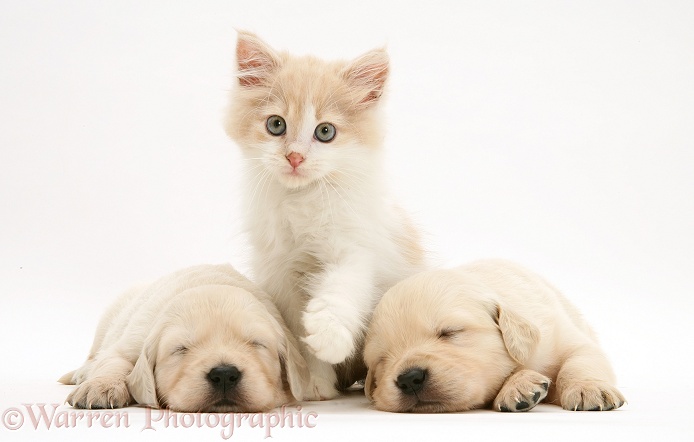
[[294, 365], [369, 384], [140, 381], [294, 368], [519, 335]]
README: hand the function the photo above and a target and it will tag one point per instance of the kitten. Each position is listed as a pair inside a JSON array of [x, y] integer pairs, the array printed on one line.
[[327, 242]]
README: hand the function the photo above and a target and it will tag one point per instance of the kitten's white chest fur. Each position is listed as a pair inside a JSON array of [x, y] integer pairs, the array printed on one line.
[[302, 230]]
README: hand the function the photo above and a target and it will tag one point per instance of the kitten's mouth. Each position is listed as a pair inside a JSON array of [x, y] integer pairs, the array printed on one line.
[[294, 177]]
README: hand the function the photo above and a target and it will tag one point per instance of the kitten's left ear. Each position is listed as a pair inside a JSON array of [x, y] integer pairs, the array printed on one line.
[[368, 74]]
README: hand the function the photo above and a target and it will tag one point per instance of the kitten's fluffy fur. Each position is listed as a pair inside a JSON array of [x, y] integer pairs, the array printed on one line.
[[327, 242]]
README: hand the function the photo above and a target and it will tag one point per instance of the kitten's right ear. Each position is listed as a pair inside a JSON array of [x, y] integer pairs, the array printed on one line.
[[255, 60]]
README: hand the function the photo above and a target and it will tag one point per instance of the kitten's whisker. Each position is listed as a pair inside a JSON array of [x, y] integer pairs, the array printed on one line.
[[343, 198], [330, 102], [283, 98], [264, 175], [269, 184], [249, 159], [245, 116], [322, 182], [352, 175]]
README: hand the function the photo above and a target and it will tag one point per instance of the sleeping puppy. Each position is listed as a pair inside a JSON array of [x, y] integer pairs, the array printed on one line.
[[203, 339], [480, 335]]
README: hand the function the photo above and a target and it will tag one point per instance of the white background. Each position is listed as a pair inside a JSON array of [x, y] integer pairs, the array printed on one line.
[[557, 134]]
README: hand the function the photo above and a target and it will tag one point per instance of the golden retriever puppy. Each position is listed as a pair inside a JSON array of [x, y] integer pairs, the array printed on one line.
[[485, 334], [202, 339]]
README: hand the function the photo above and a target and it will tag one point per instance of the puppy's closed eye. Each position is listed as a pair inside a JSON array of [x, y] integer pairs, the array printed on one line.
[[180, 350], [258, 344], [450, 332]]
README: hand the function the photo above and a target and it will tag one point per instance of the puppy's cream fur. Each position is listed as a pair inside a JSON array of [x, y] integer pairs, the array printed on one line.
[[158, 344], [486, 334]]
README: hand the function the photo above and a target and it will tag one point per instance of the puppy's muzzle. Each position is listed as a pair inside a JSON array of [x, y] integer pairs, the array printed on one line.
[[412, 380], [224, 378]]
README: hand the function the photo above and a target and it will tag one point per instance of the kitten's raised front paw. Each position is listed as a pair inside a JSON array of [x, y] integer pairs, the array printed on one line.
[[591, 396], [522, 391], [102, 392], [323, 383], [320, 389], [326, 337]]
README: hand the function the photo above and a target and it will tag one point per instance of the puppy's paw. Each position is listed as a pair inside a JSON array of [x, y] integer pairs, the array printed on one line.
[[591, 396], [103, 392], [326, 337], [522, 391]]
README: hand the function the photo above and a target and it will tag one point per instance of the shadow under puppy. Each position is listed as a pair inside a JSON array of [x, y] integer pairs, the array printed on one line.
[[486, 334], [203, 339]]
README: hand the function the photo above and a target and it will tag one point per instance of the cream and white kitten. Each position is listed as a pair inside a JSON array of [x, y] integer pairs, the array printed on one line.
[[326, 239]]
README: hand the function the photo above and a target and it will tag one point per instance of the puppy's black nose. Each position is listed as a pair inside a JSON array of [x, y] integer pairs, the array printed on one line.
[[412, 380], [224, 377]]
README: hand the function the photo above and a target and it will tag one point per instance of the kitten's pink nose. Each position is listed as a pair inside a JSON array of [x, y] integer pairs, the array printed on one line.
[[295, 159]]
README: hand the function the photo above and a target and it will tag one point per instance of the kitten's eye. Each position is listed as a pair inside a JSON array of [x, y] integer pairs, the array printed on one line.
[[325, 132], [276, 125]]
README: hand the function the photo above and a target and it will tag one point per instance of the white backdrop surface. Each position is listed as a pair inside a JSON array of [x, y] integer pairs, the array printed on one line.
[[556, 134]]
